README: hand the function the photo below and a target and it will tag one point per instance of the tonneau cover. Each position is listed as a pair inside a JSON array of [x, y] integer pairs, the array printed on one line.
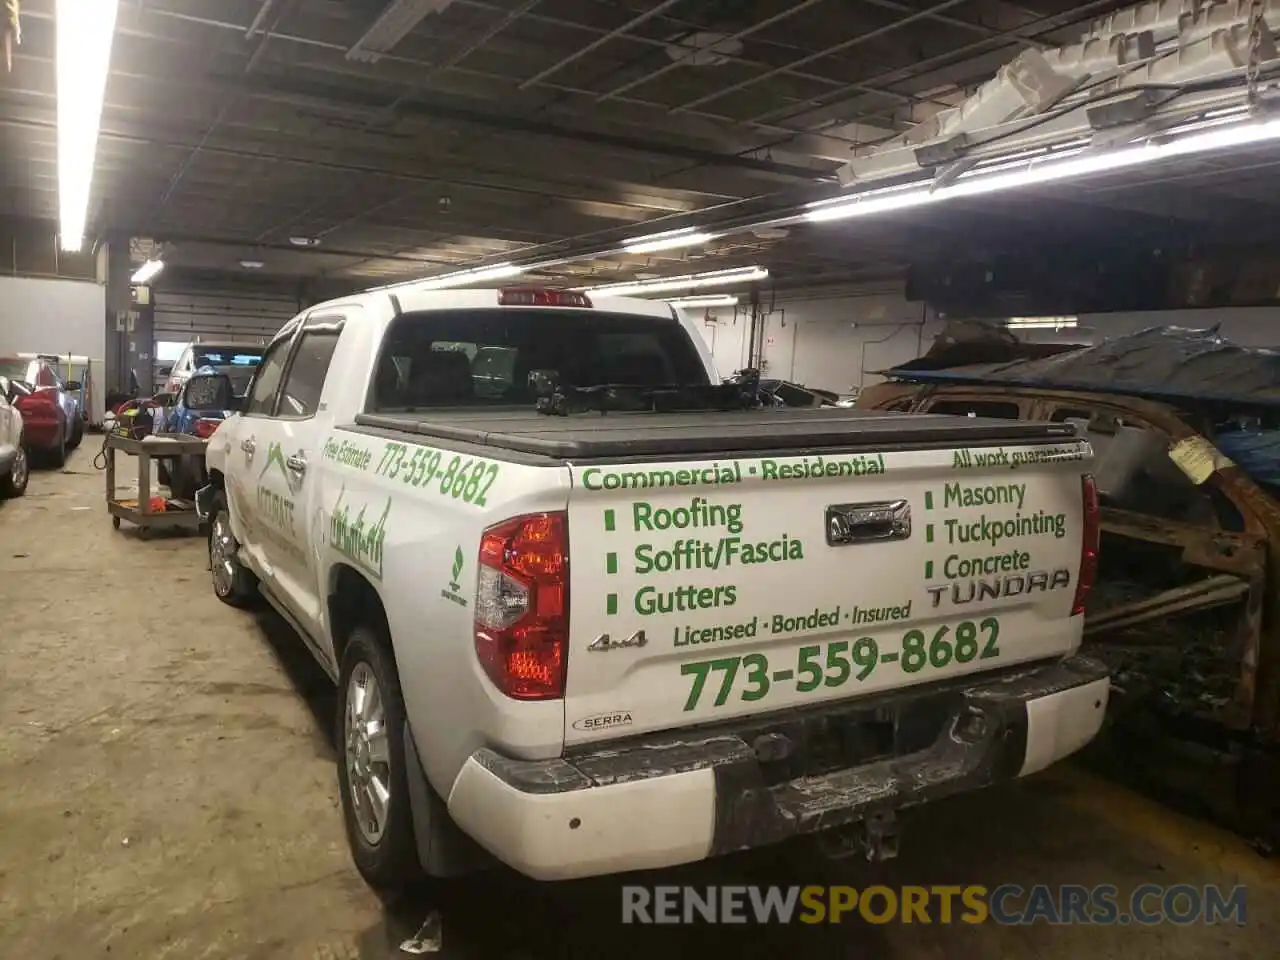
[[621, 435]]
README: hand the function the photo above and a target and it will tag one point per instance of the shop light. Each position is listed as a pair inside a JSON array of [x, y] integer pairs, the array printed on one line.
[[462, 278], [668, 240], [84, 30], [1041, 323], [692, 281], [1217, 134], [710, 300], [147, 272]]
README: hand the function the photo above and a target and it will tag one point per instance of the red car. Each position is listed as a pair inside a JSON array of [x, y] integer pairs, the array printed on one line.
[[50, 406]]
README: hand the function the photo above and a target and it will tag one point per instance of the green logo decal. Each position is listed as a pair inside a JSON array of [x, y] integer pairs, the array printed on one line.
[[454, 592], [356, 539], [275, 458]]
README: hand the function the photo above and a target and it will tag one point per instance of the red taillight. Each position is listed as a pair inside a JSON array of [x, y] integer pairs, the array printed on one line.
[[522, 606], [204, 427], [538, 297], [1090, 545]]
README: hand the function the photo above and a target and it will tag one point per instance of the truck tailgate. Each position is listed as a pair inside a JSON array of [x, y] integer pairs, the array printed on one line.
[[706, 589]]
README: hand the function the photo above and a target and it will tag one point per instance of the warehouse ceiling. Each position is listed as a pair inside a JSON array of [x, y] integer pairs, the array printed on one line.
[[284, 137]]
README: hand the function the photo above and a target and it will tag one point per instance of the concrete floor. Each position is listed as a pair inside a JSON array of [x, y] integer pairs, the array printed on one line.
[[167, 789]]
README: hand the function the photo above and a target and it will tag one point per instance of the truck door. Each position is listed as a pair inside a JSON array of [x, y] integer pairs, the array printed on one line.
[[289, 444], [247, 452]]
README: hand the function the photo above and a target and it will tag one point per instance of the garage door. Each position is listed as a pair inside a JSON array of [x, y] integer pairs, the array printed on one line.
[[186, 316]]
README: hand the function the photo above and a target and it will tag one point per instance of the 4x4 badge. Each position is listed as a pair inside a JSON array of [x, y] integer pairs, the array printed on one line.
[[605, 642]]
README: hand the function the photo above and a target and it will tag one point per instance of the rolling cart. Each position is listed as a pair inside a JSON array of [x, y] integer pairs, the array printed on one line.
[[139, 512]]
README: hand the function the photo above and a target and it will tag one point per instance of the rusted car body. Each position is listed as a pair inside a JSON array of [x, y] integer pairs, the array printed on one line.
[[1187, 607]]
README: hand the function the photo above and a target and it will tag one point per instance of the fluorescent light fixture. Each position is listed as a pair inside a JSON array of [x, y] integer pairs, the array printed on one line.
[[462, 278], [147, 272], [84, 30], [669, 240], [394, 24], [1041, 323], [304, 241], [692, 281], [252, 264], [710, 300], [1217, 134]]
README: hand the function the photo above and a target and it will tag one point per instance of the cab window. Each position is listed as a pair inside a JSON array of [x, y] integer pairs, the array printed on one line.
[[1135, 474], [960, 407], [305, 380], [266, 383]]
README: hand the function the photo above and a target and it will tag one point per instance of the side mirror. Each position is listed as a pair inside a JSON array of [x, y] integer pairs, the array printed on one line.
[[210, 391], [73, 385]]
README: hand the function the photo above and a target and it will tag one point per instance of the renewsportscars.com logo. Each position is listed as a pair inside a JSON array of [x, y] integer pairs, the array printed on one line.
[[1007, 905]]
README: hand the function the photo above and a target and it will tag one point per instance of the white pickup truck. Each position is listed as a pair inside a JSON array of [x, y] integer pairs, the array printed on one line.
[[589, 612]]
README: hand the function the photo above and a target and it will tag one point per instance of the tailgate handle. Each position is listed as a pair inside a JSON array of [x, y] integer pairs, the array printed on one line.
[[868, 522]]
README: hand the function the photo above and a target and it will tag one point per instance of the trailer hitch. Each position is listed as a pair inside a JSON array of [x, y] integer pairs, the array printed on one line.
[[874, 838]]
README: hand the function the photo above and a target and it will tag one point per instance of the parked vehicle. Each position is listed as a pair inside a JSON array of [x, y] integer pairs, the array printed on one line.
[[196, 413], [1186, 611], [14, 471], [237, 361], [587, 644], [51, 412]]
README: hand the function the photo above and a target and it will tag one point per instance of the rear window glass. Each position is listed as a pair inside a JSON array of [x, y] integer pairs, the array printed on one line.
[[227, 357], [15, 369], [485, 357]]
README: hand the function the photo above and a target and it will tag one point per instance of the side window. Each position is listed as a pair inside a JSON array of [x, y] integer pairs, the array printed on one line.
[[266, 381], [305, 379], [1134, 472], [1000, 409]]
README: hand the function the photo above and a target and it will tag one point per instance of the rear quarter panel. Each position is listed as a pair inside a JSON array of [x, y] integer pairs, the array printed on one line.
[[391, 509]]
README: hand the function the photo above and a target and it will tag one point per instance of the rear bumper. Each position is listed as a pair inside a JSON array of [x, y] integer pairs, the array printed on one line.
[[40, 434], [665, 801]]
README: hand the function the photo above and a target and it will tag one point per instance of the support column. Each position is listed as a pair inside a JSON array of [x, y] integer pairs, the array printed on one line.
[[130, 321]]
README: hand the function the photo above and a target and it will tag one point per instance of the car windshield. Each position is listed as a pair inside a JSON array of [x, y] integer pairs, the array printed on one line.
[[485, 357], [233, 356]]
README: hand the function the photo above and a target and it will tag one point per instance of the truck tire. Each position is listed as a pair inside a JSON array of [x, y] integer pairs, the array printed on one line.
[[233, 583], [77, 433], [186, 476], [371, 768], [14, 482]]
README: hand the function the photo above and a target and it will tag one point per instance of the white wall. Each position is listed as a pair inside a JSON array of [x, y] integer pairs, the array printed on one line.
[[53, 316], [831, 342]]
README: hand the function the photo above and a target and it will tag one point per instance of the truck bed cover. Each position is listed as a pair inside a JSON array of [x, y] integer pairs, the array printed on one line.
[[622, 435]]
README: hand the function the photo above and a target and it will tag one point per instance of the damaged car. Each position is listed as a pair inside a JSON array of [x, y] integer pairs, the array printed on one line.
[[1185, 428]]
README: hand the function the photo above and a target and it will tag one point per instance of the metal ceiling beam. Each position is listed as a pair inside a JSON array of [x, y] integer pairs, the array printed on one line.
[[785, 14], [599, 42], [729, 122], [826, 52], [657, 44], [512, 123], [966, 25]]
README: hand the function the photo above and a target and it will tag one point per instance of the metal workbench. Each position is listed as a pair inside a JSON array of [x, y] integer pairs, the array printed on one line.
[[139, 512]]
